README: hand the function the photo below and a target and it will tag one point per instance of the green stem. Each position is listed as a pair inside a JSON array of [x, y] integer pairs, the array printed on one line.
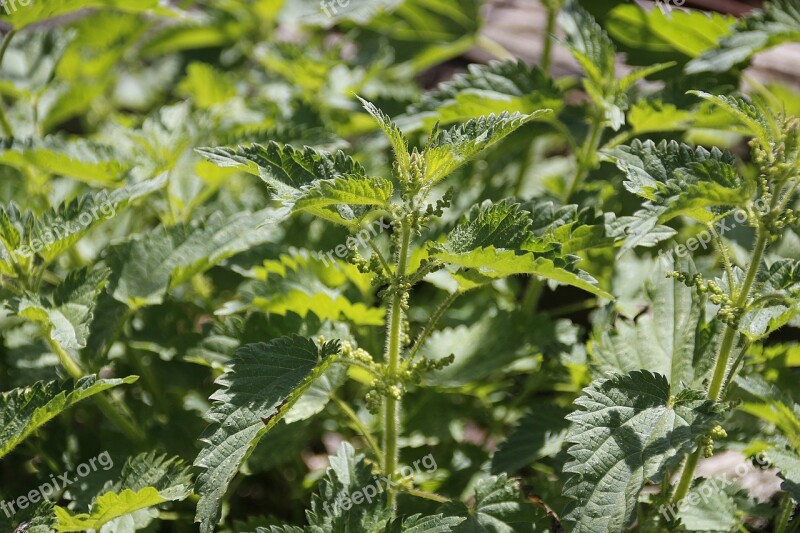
[[721, 365], [112, 412], [584, 158], [787, 509], [359, 425], [8, 131], [391, 410], [686, 477], [547, 39]]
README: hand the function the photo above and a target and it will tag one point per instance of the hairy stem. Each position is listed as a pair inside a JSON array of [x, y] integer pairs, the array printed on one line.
[[721, 365], [391, 408]]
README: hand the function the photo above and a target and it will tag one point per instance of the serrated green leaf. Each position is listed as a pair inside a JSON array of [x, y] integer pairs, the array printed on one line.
[[284, 168], [499, 507], [57, 229], [449, 149], [672, 338], [677, 179], [74, 158], [689, 32], [264, 381], [589, 44], [67, 314], [322, 195], [146, 267], [540, 433], [500, 86], [301, 283], [396, 138], [425, 524], [756, 119], [146, 480], [629, 431], [710, 506], [778, 23], [23, 411]]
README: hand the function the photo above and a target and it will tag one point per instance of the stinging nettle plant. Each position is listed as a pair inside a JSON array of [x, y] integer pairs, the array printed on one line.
[[492, 241], [644, 427]]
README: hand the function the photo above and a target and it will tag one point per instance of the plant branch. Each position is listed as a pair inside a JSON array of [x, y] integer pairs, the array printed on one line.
[[111, 411], [431, 324], [584, 157], [359, 425]]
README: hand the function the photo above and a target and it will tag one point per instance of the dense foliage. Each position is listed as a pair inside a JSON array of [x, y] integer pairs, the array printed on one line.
[[270, 266]]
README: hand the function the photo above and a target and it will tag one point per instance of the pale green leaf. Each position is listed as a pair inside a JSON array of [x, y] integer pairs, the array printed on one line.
[[628, 432]]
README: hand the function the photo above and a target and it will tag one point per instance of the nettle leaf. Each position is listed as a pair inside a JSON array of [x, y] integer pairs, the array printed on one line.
[[778, 23], [23, 411], [712, 505], [301, 283], [787, 462], [499, 507], [540, 433], [677, 179], [396, 138], [146, 480], [754, 116], [499, 86], [588, 43], [57, 229], [689, 32], [629, 431], [449, 149], [425, 524], [494, 241], [285, 169], [343, 192], [347, 475], [672, 338], [263, 383], [146, 267], [778, 287], [74, 158], [572, 230], [67, 315]]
